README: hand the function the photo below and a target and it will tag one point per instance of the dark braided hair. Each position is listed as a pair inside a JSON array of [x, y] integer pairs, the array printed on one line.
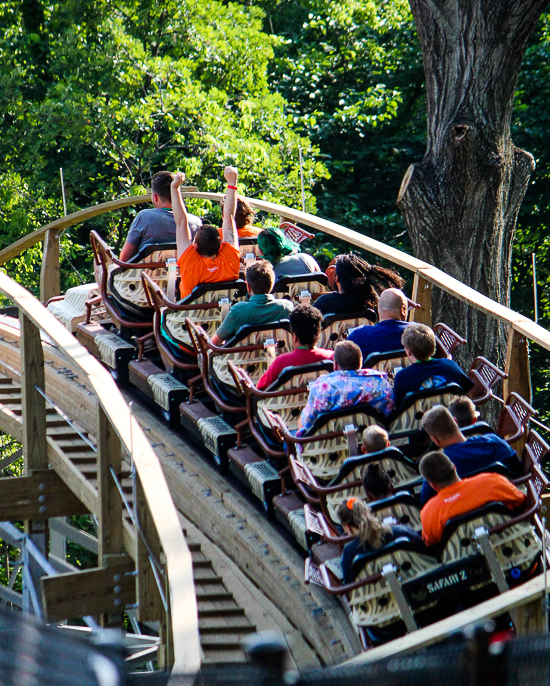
[[365, 281]]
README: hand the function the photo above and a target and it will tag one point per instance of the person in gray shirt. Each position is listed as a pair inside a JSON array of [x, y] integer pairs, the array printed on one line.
[[155, 226]]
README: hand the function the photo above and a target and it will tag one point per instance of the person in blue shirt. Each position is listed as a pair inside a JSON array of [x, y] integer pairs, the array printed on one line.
[[385, 336], [371, 534], [468, 455], [425, 372]]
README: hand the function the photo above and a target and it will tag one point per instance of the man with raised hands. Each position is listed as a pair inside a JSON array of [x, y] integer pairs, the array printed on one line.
[[206, 258]]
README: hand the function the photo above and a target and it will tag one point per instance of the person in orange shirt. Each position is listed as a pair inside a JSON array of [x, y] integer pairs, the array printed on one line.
[[206, 259], [457, 496]]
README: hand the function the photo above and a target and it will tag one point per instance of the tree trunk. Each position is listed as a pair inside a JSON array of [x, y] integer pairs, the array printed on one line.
[[461, 202]]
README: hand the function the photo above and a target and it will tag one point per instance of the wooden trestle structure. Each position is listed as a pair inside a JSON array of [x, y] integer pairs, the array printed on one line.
[[85, 453]]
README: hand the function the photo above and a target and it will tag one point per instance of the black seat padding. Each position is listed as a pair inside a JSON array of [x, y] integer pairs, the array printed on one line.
[[353, 462], [400, 543], [281, 285], [367, 313], [202, 288], [413, 396], [350, 410], [290, 372], [248, 329], [479, 428], [147, 250]]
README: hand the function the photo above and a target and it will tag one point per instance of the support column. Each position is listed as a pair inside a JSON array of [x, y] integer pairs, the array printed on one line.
[[50, 278], [422, 294], [35, 446], [110, 504]]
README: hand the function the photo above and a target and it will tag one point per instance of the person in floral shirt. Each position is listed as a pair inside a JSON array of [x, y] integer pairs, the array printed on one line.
[[347, 385]]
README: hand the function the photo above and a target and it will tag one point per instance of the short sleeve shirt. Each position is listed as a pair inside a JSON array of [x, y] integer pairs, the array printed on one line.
[[195, 269], [383, 337], [466, 496], [296, 358], [429, 374], [260, 309], [155, 226]]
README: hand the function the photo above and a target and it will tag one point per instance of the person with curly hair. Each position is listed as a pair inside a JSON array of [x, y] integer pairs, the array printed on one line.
[[359, 285], [284, 254]]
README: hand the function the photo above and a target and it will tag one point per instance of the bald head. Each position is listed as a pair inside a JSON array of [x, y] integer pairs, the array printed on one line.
[[392, 305]]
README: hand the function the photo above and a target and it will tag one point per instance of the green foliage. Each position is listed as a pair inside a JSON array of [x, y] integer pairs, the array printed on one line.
[[117, 91]]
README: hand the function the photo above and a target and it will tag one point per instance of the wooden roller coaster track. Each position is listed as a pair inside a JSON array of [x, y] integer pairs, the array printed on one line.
[[85, 452]]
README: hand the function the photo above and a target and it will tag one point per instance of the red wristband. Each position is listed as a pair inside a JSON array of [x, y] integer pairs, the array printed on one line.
[[233, 188]]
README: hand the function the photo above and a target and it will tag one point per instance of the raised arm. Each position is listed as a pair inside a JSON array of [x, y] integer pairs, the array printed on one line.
[[184, 238], [229, 228]]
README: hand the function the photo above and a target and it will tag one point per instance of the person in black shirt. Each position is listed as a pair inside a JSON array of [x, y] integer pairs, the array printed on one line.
[[359, 284], [357, 520]]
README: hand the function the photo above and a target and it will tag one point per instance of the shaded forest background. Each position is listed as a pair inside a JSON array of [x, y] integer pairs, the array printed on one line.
[[113, 91]]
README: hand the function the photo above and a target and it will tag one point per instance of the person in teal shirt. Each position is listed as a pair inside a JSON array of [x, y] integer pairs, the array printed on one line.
[[261, 308]]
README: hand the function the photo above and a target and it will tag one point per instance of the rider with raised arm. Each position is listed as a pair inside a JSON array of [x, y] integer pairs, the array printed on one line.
[[206, 259]]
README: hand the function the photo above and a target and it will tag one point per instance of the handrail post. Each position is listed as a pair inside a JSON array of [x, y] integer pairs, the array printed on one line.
[[150, 607], [519, 374], [422, 294], [110, 529], [50, 278], [35, 445]]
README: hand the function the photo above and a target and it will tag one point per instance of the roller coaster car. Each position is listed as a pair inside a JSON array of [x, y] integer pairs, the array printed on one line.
[[404, 424], [120, 283], [401, 582], [348, 482], [514, 418], [325, 447], [204, 305], [335, 327], [292, 287], [477, 429], [253, 347], [485, 376], [535, 450], [286, 397]]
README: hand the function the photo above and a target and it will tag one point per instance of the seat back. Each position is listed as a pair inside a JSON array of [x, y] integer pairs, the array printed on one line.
[[202, 306], [289, 407], [291, 286], [253, 348], [514, 418], [485, 376], [335, 327], [402, 471], [374, 604], [408, 416], [389, 362], [448, 338], [514, 546], [326, 454], [536, 449]]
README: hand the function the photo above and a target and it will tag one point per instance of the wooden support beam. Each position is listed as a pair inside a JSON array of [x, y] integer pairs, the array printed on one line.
[[519, 374], [422, 294], [35, 445], [104, 590], [110, 504], [529, 619], [33, 406], [50, 279], [148, 596], [517, 366], [41, 495]]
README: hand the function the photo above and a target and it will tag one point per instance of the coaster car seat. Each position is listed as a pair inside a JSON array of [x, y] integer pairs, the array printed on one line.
[[291, 287], [335, 327], [120, 283], [203, 305]]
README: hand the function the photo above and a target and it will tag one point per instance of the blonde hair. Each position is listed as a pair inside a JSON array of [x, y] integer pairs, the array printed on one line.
[[371, 530]]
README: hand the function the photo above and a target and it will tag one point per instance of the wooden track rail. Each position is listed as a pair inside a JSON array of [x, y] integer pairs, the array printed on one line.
[[118, 434]]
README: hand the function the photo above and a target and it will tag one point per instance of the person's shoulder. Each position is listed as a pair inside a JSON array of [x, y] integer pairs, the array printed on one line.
[[228, 249], [189, 255]]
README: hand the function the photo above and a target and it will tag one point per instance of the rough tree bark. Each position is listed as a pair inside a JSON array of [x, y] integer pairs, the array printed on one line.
[[461, 202]]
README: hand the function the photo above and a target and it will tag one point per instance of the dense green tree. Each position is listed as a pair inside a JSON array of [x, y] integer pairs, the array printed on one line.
[[120, 90]]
